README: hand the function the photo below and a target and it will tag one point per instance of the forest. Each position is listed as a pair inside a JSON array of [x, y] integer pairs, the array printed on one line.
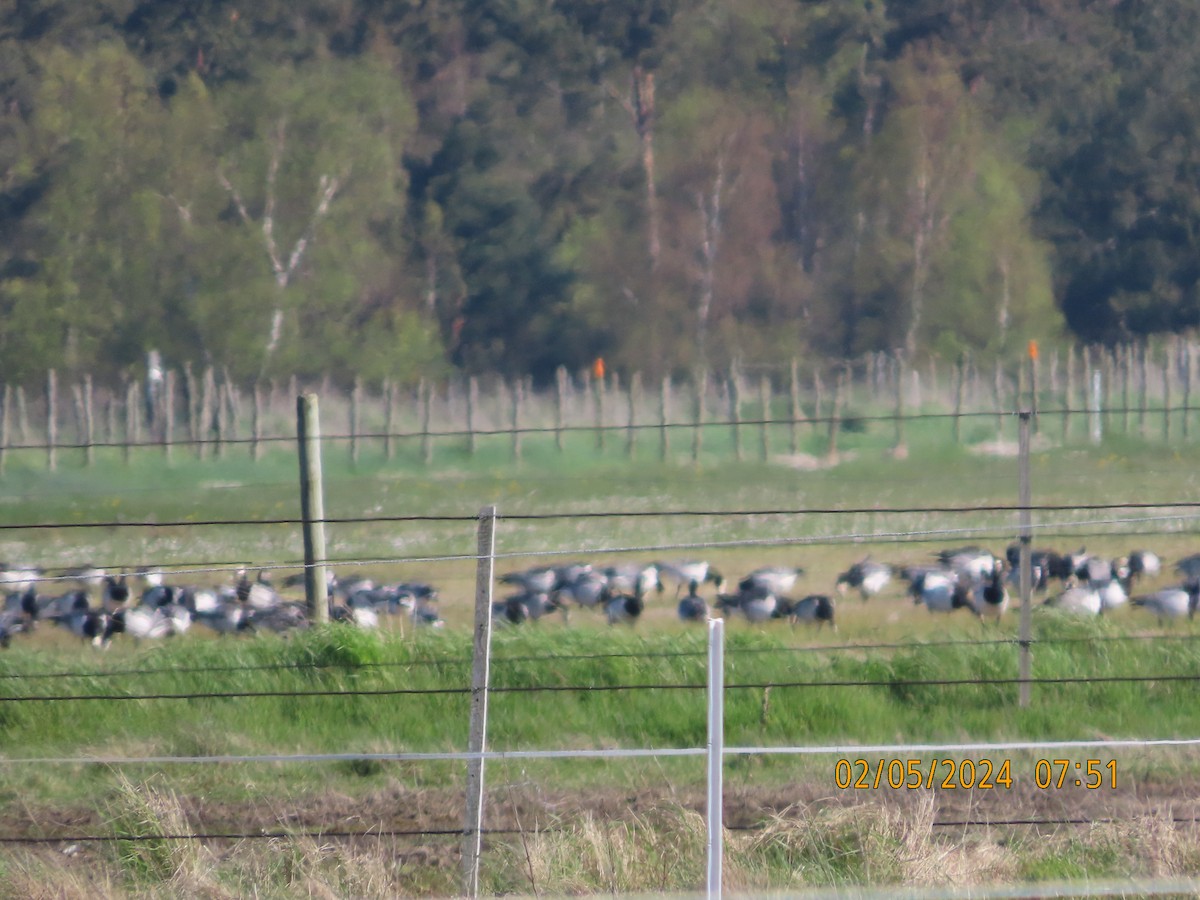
[[418, 188]]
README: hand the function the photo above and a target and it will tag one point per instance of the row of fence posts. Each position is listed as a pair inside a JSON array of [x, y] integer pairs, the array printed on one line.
[[213, 407], [308, 430]]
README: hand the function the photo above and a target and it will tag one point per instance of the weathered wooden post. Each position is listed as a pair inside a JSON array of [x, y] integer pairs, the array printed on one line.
[[635, 389], [518, 401], [794, 406], [131, 420], [1068, 393], [598, 399], [168, 417], [256, 423], [664, 417], [427, 422], [899, 448], [5, 419], [51, 420], [698, 414], [735, 414], [472, 411], [960, 383], [312, 507], [389, 419], [355, 418], [1025, 534], [560, 405]]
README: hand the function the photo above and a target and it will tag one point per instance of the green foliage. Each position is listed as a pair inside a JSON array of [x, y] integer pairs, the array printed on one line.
[[389, 190]]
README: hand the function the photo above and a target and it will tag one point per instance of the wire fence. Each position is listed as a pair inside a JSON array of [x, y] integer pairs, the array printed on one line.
[[1062, 518]]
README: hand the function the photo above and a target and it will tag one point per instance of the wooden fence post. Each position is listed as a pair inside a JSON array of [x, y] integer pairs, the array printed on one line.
[[560, 404], [818, 391], [794, 406], [312, 507], [698, 415], [256, 423], [355, 418], [427, 390], [1025, 501], [23, 430], [168, 415], [1143, 386], [472, 412], [598, 400], [1185, 360], [389, 419], [899, 449], [635, 389], [5, 419], [960, 381], [131, 419], [835, 420], [664, 417], [735, 413], [764, 400], [51, 420], [206, 413], [89, 422], [518, 401]]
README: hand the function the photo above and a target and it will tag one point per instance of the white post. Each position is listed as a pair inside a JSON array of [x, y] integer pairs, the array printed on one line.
[[716, 752], [480, 667], [1096, 405]]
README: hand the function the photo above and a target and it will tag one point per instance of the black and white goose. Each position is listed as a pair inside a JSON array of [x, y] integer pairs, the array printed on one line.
[[813, 608], [941, 590], [1080, 600], [90, 625], [692, 572], [866, 577], [586, 590], [1170, 603], [692, 608], [991, 596], [756, 604], [625, 608], [973, 562], [776, 579]]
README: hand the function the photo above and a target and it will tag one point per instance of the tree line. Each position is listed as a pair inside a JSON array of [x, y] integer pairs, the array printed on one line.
[[398, 189]]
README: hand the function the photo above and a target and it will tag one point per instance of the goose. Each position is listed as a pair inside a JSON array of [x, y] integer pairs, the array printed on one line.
[[777, 579], [1143, 564], [974, 562], [257, 594], [114, 592], [685, 574], [425, 615], [693, 608], [813, 608], [525, 607], [142, 623], [363, 616], [586, 590], [991, 597], [12, 622], [755, 603], [1170, 603], [1189, 567], [1080, 600], [942, 591], [542, 579], [283, 618], [619, 607], [89, 625], [222, 616], [20, 578], [867, 577], [630, 578]]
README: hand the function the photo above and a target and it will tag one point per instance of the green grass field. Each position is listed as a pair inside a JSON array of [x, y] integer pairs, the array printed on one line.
[[598, 506]]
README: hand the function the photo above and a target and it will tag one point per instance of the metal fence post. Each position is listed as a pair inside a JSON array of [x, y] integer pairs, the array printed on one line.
[[716, 753], [480, 667]]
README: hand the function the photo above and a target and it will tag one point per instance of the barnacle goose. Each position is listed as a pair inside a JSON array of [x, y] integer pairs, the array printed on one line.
[[693, 607], [813, 608], [777, 579], [867, 577], [1171, 603]]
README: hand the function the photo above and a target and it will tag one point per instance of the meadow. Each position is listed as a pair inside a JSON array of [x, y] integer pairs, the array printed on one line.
[[582, 826]]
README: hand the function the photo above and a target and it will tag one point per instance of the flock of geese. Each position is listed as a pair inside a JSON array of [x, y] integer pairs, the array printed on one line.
[[99, 606], [964, 578]]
